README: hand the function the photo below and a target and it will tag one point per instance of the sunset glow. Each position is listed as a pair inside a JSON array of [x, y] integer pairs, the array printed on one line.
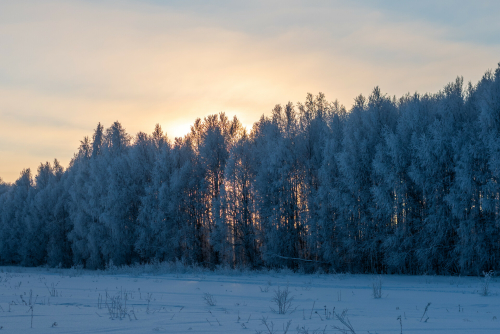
[[67, 65]]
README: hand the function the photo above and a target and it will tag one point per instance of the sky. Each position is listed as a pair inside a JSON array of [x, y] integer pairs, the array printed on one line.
[[67, 65]]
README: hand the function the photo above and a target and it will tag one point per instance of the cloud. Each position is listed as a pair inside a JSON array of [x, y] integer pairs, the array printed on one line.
[[67, 65]]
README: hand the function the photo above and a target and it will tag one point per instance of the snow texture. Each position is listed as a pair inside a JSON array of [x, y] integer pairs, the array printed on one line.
[[80, 301]]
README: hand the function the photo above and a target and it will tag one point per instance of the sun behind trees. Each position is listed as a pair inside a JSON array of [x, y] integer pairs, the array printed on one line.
[[392, 186]]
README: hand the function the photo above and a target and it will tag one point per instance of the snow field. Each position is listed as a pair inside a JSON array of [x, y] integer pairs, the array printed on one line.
[[69, 301]]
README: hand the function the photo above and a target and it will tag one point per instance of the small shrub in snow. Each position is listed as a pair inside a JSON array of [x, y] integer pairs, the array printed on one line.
[[209, 299], [52, 290], [283, 300], [117, 308]]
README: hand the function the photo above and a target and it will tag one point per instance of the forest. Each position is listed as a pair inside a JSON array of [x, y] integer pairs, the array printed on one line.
[[405, 185]]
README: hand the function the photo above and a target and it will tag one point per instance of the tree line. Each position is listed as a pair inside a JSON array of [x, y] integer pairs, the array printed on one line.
[[408, 185]]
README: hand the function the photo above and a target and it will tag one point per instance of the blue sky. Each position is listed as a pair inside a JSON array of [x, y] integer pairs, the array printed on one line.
[[67, 65]]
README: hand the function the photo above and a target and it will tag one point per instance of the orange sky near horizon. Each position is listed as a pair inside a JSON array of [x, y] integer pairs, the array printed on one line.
[[67, 65]]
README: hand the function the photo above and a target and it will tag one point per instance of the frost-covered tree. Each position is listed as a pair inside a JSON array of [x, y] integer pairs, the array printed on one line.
[[152, 241], [236, 235], [15, 210], [407, 185], [330, 231]]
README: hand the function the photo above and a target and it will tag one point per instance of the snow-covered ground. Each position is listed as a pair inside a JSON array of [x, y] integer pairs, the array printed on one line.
[[77, 301]]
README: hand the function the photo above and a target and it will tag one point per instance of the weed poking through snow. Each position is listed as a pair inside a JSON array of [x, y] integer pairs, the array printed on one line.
[[425, 311], [209, 299], [52, 290], [344, 320]]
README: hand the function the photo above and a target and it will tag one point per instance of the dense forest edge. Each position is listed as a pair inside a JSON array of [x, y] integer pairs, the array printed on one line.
[[408, 186]]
